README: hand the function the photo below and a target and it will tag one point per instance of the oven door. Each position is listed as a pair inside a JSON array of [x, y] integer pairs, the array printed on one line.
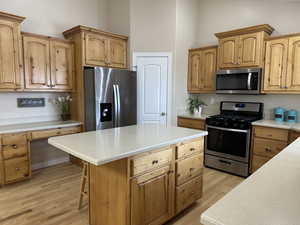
[[228, 143], [243, 81]]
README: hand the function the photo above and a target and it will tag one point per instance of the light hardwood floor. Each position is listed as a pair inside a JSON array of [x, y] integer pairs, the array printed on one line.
[[51, 198]]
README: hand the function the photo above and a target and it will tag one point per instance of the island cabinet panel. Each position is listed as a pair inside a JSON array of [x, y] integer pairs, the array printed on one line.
[[266, 143], [152, 198], [191, 123], [62, 65], [202, 68], [10, 55], [37, 63]]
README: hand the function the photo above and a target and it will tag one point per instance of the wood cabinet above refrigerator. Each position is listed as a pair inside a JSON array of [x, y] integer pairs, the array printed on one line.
[[242, 47]]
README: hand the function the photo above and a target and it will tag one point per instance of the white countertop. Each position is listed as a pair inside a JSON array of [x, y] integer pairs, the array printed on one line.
[[103, 146], [268, 197], [193, 116], [275, 124], [15, 128]]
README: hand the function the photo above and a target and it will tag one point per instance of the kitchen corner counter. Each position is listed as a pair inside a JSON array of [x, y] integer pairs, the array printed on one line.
[[103, 146], [193, 116], [16, 128], [275, 124], [269, 196]]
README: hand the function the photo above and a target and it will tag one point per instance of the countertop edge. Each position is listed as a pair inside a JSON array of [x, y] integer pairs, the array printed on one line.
[[45, 127], [122, 156]]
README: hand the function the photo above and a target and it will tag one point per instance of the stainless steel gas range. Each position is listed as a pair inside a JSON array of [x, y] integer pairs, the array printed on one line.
[[229, 136]]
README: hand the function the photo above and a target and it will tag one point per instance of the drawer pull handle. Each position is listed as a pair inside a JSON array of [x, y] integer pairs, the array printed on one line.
[[14, 146], [268, 150], [192, 169], [225, 162], [192, 149], [154, 162]]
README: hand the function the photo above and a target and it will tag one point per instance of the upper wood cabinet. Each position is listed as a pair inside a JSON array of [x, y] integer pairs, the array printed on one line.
[[100, 48], [49, 63], [10, 52], [202, 68], [243, 47], [282, 66]]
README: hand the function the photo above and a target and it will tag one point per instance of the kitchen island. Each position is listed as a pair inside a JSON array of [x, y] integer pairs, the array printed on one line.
[[268, 197], [139, 175]]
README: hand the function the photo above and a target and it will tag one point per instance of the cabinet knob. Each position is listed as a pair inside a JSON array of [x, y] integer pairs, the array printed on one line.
[[14, 146], [17, 169], [154, 162], [192, 149]]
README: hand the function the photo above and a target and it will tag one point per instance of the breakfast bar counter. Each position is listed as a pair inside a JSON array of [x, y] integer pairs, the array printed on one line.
[[142, 174]]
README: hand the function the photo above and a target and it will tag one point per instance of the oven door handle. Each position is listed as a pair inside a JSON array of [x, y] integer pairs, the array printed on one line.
[[229, 129]]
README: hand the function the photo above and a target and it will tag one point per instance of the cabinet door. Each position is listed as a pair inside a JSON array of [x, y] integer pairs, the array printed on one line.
[[293, 70], [228, 52], [194, 71], [96, 48], [276, 65], [9, 55], [250, 49], [37, 63], [117, 56], [208, 69], [151, 200], [62, 65]]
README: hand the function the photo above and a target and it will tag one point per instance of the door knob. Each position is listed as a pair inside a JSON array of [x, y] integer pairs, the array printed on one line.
[[163, 114]]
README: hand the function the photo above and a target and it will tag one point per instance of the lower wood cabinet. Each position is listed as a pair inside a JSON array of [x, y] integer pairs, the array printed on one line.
[[191, 123], [15, 159], [151, 197]]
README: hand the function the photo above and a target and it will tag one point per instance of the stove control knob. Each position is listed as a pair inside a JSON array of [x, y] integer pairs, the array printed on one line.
[[235, 125], [242, 126]]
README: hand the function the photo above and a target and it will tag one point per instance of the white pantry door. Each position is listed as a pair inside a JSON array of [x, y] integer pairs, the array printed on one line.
[[152, 73]]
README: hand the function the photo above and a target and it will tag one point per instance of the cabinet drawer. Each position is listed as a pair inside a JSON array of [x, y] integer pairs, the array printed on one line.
[[13, 139], [257, 162], [293, 136], [191, 123], [272, 133], [266, 147], [149, 161], [54, 132], [13, 151], [188, 193], [16, 169], [189, 168], [189, 148]]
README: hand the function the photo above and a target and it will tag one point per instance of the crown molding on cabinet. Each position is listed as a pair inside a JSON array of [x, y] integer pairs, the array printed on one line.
[[247, 30], [203, 48], [81, 28], [11, 17]]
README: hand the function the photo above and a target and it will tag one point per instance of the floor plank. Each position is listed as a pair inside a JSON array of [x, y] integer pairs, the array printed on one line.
[[51, 198]]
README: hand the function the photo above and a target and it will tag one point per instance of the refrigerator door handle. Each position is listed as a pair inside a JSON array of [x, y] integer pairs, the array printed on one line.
[[119, 105], [115, 106]]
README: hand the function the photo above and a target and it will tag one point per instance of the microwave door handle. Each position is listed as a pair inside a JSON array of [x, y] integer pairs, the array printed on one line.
[[249, 81]]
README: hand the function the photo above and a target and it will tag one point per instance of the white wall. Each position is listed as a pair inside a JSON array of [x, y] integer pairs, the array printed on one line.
[[222, 15], [186, 38]]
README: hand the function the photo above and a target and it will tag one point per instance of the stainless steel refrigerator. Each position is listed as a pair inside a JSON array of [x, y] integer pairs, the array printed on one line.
[[110, 98]]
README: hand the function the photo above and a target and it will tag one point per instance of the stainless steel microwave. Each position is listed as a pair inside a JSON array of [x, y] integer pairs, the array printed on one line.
[[238, 81]]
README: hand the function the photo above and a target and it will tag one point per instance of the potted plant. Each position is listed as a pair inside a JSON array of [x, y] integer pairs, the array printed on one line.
[[195, 105], [63, 102]]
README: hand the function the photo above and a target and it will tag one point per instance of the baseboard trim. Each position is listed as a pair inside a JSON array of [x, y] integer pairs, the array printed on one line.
[[53, 162]]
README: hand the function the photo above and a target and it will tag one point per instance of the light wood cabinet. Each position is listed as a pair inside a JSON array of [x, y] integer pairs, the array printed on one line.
[[266, 143], [191, 123], [49, 63], [151, 198], [15, 158], [202, 68], [10, 52], [103, 50], [242, 47], [282, 65]]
